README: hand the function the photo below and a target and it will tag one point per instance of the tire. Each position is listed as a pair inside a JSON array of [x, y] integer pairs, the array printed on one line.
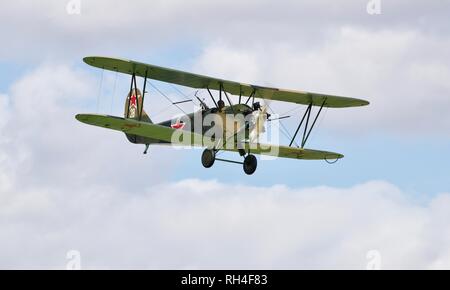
[[208, 158], [250, 164]]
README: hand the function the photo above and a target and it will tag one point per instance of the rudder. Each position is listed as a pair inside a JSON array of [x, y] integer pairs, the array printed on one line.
[[134, 109]]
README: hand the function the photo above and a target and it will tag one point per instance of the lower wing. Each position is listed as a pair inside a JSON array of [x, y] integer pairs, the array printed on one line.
[[166, 134]]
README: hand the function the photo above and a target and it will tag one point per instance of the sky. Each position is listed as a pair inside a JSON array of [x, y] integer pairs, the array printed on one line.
[[69, 188]]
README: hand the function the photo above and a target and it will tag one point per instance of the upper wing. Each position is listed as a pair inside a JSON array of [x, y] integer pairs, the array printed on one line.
[[163, 133], [203, 82]]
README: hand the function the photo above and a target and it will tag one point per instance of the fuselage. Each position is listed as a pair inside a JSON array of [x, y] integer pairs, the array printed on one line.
[[229, 118], [241, 121]]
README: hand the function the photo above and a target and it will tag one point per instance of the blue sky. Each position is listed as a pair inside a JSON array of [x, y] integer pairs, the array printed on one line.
[[65, 183]]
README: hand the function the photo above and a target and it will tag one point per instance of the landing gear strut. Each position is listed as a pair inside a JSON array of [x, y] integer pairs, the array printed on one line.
[[249, 165]]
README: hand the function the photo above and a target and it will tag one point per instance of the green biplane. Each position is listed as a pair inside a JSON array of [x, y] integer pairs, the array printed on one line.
[[240, 135]]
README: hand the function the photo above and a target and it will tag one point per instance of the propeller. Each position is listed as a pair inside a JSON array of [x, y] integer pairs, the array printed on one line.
[[260, 116]]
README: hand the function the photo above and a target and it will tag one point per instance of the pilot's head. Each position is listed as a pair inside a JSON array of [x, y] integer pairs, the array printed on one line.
[[221, 104]]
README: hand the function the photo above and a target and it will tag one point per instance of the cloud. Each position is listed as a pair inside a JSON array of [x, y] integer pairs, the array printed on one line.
[[401, 72], [207, 224], [144, 28], [42, 143], [50, 164]]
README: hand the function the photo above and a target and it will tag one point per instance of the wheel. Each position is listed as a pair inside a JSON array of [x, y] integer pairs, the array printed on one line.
[[250, 163], [208, 158]]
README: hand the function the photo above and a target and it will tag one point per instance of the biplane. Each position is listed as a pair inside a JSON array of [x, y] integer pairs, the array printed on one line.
[[242, 136]]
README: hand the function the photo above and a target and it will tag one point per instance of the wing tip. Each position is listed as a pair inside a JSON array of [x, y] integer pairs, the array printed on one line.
[[358, 103], [336, 156], [93, 60], [333, 156], [83, 118], [363, 102], [89, 59]]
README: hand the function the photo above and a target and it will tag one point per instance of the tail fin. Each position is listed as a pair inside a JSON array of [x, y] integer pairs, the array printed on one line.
[[134, 110]]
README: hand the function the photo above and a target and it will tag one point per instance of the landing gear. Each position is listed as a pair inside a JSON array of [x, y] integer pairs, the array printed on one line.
[[250, 164], [208, 158]]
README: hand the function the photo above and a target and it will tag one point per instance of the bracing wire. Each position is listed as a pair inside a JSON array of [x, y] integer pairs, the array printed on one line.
[[161, 111], [114, 92], [289, 136], [283, 130], [291, 111], [166, 97], [100, 90], [321, 118], [193, 100], [179, 91]]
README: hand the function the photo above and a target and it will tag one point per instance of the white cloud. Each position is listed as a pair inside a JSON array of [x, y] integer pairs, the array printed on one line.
[[41, 142], [206, 224], [404, 74], [51, 164], [110, 26]]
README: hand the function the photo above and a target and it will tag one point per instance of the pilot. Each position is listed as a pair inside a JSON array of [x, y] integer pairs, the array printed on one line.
[[221, 105]]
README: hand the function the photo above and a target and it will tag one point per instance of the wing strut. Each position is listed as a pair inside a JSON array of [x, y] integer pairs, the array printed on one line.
[[133, 82], [133, 88], [252, 95], [215, 103], [240, 94], [229, 101], [312, 126], [143, 96], [307, 115], [139, 105]]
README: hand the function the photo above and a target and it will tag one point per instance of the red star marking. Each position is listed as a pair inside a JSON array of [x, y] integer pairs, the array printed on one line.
[[133, 100], [178, 125]]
